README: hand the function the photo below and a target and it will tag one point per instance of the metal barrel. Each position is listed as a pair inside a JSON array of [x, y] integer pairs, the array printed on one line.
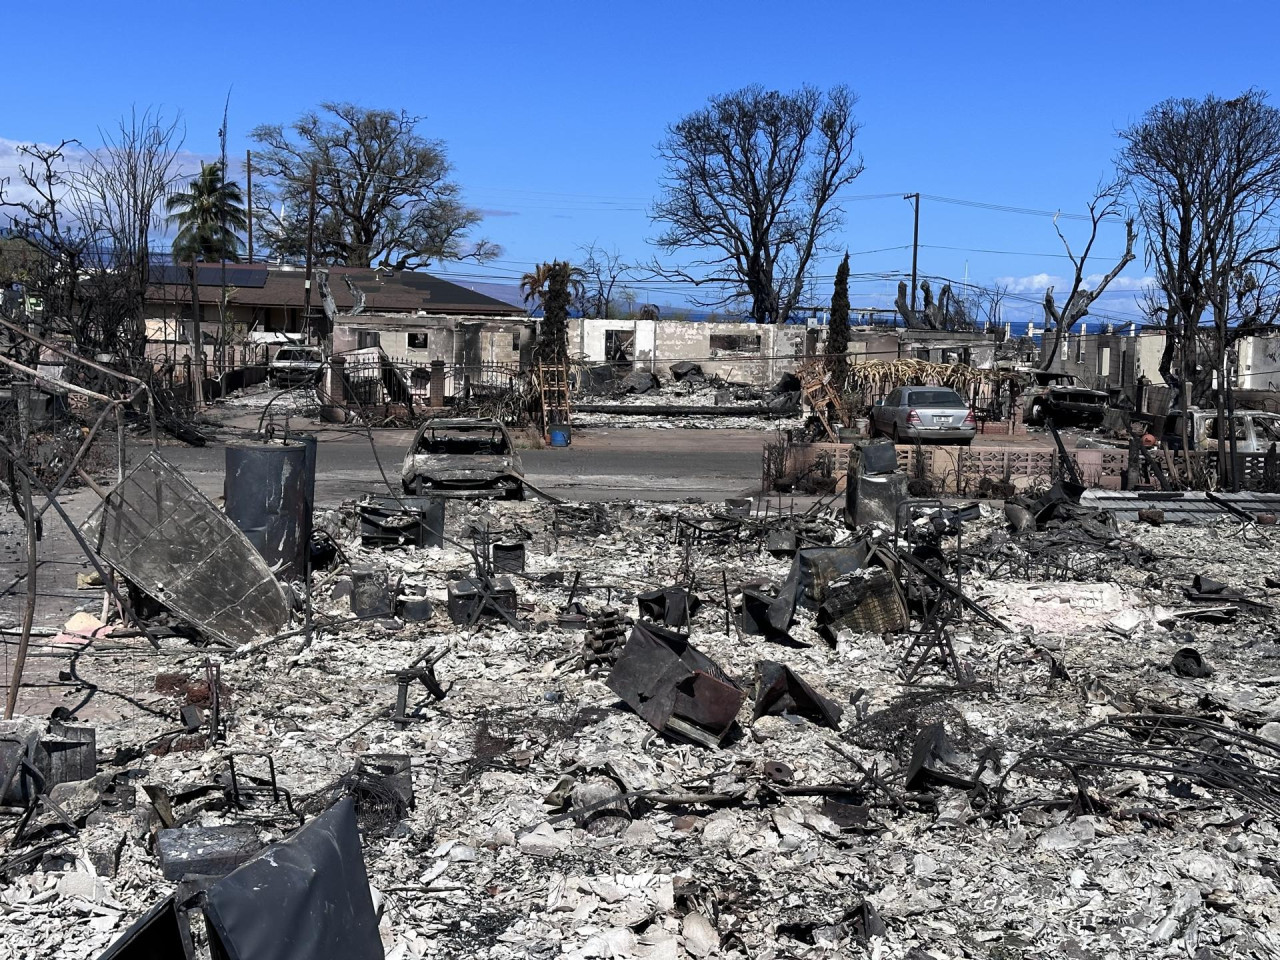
[[310, 443], [266, 497]]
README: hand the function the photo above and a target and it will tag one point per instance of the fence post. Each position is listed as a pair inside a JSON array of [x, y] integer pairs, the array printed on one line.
[[337, 382], [437, 383]]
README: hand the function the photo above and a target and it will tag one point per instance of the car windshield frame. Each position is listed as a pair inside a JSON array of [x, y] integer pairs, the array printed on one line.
[[296, 354], [462, 437]]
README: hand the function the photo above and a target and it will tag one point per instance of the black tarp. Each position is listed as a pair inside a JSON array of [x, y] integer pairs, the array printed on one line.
[[159, 934], [305, 898]]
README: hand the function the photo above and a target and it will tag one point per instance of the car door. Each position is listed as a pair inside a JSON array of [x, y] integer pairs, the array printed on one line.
[[1266, 431], [883, 415]]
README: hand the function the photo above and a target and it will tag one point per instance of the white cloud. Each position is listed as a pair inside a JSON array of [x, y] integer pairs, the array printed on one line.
[[1035, 283], [1121, 284]]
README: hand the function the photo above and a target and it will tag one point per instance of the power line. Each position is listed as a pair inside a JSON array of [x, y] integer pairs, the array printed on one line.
[[1004, 208]]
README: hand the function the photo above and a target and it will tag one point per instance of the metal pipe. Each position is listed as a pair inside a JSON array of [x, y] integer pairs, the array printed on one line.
[[75, 460], [80, 541], [72, 355], [29, 612]]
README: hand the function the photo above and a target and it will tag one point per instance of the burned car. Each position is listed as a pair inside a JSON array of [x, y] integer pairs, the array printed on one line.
[[294, 366], [1058, 397], [463, 458], [1255, 430]]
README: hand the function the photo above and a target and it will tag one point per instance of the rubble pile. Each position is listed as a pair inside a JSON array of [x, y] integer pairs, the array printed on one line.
[[680, 731], [688, 400]]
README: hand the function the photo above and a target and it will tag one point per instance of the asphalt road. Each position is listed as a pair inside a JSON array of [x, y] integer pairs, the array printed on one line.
[[601, 464]]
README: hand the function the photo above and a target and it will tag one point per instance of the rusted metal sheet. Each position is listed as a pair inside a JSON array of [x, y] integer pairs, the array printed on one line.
[[675, 687], [166, 537]]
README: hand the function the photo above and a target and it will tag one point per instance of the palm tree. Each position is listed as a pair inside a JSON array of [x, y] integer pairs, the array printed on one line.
[[533, 285], [207, 216]]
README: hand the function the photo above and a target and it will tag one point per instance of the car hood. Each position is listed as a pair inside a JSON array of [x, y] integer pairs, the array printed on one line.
[[1075, 391], [441, 466]]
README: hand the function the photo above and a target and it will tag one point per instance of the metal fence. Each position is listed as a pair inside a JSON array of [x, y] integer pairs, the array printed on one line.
[[374, 379]]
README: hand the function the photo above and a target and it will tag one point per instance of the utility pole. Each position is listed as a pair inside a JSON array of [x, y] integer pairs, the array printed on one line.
[[915, 245], [197, 368], [311, 239], [1230, 369], [248, 189]]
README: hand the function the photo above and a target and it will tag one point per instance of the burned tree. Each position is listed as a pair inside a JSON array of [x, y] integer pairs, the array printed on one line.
[[1206, 176], [88, 217], [751, 181], [1106, 205], [553, 330], [838, 324], [600, 271], [947, 312], [383, 192]]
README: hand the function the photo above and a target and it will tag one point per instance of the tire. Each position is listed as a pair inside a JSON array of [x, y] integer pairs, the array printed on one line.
[[897, 439], [1035, 416]]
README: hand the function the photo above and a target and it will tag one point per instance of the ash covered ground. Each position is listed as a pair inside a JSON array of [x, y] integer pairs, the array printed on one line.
[[1101, 803]]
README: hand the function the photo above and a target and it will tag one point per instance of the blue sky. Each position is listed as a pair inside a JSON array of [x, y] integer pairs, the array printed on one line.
[[551, 111]]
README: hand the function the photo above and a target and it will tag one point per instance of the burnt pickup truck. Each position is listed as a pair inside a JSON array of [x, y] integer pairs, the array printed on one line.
[[1255, 430], [463, 458], [1057, 397]]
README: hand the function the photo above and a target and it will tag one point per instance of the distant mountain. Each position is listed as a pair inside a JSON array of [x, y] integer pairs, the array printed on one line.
[[506, 292]]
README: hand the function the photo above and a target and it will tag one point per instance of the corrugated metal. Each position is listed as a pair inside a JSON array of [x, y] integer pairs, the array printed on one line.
[[1182, 507]]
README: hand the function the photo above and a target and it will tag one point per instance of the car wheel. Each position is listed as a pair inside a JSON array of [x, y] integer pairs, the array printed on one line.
[[419, 486], [1035, 416], [897, 439]]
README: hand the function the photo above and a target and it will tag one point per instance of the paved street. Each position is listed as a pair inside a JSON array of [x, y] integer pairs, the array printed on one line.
[[601, 464]]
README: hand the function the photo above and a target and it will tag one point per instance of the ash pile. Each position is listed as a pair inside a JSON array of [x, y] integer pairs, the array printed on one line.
[[686, 399], [887, 727]]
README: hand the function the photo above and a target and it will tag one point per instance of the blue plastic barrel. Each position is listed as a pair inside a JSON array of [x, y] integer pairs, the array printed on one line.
[[559, 435]]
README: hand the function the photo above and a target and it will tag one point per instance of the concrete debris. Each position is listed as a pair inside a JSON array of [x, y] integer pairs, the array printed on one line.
[[685, 402]]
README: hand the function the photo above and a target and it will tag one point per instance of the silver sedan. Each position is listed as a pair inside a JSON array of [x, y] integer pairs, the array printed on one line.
[[927, 414]]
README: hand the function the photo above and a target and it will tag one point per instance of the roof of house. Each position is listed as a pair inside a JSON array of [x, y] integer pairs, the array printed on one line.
[[262, 285]]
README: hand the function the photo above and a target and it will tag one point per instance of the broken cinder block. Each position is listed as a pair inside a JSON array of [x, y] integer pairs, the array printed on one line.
[[205, 851]]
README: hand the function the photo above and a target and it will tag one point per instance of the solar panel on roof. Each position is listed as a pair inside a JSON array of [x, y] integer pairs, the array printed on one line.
[[209, 275]]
